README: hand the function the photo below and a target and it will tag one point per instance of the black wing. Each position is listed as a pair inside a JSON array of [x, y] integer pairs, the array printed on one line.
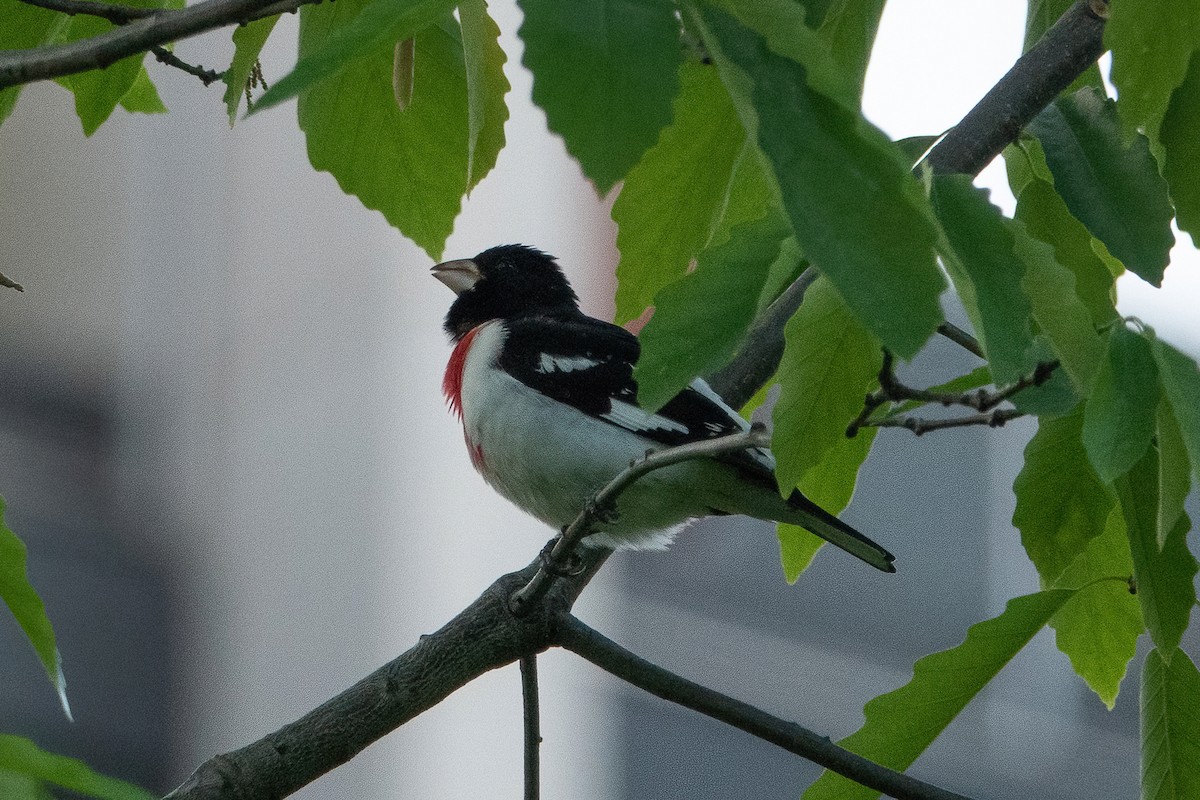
[[588, 364]]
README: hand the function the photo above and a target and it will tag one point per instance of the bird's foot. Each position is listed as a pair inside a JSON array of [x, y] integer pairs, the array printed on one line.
[[568, 567]]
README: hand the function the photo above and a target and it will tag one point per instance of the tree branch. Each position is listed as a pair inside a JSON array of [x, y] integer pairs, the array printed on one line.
[[9, 283], [920, 426], [137, 36], [738, 380], [573, 635], [1069, 47], [893, 390], [484, 636], [117, 14], [961, 338], [206, 76]]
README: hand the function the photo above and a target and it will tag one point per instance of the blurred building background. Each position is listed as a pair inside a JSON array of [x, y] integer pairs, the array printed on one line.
[[224, 443]]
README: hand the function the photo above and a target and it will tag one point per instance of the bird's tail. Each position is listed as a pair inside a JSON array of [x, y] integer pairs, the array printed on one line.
[[808, 515]]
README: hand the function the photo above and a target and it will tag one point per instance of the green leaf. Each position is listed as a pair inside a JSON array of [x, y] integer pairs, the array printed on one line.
[[23, 27], [142, 97], [830, 484], [783, 24], [1180, 378], [797, 549], [486, 87], [695, 157], [409, 165], [1113, 188], [987, 274], [23, 757], [1061, 503], [1099, 627], [752, 195], [1152, 42], [850, 27], [27, 607], [700, 320], [347, 37], [785, 270], [21, 787], [829, 363], [605, 72], [1118, 424], [1058, 309], [248, 41], [902, 724], [857, 212], [914, 148], [1054, 398], [1174, 471], [1170, 727], [1163, 576], [1046, 217], [98, 91], [1181, 148]]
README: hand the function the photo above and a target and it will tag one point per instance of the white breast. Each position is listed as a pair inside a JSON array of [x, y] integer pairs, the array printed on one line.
[[549, 458]]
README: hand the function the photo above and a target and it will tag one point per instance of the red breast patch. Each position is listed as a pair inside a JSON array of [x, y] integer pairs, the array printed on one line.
[[452, 381]]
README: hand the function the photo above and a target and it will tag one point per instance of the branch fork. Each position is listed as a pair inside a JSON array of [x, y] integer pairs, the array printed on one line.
[[892, 390]]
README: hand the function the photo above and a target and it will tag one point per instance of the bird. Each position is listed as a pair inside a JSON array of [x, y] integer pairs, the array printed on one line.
[[549, 409]]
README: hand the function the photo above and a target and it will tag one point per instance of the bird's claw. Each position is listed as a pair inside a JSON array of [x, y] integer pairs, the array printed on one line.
[[569, 567]]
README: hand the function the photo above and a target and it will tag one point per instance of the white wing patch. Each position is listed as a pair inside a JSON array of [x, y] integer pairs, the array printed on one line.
[[635, 419], [759, 454], [550, 363]]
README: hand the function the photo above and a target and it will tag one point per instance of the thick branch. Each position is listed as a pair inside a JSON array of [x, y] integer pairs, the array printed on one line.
[[138, 36], [483, 637], [611, 657], [738, 380], [1070, 46]]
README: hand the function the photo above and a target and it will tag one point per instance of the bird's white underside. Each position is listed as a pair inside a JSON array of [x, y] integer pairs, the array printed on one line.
[[530, 440]]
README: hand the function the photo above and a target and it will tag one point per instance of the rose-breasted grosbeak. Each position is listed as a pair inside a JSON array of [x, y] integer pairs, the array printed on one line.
[[550, 414]]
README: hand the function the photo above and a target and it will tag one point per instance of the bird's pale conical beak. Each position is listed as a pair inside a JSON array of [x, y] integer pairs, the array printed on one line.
[[459, 275]]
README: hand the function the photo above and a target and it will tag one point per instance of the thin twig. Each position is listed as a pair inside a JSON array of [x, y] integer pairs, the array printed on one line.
[[961, 338], [920, 425], [139, 35], [10, 283], [577, 637], [206, 76], [600, 508], [891, 389], [533, 726], [119, 14]]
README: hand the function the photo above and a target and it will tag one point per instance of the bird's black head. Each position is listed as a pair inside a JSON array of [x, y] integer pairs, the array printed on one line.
[[504, 282]]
